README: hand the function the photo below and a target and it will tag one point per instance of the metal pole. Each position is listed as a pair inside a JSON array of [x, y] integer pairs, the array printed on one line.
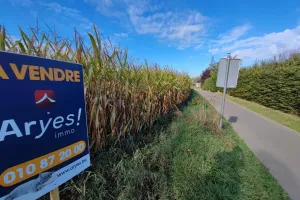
[[224, 91]]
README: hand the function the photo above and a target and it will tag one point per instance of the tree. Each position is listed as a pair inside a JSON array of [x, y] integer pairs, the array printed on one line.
[[212, 63], [205, 75], [207, 72]]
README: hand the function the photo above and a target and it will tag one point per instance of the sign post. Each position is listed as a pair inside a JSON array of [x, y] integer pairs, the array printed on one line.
[[227, 78], [43, 127], [224, 90], [54, 194]]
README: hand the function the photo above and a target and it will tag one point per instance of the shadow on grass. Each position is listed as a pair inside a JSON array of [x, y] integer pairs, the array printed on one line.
[[114, 172], [222, 181]]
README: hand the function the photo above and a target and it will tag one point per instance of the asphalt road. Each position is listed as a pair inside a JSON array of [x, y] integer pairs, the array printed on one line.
[[276, 146]]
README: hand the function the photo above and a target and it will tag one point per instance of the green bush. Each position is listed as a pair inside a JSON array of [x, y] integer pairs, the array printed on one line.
[[274, 84]]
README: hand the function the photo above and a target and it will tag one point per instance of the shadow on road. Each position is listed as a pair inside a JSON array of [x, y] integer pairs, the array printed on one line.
[[232, 119]]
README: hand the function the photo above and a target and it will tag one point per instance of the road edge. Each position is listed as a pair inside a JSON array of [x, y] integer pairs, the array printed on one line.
[[283, 126]]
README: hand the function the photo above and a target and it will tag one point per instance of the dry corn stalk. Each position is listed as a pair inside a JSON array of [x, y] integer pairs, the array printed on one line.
[[122, 96]]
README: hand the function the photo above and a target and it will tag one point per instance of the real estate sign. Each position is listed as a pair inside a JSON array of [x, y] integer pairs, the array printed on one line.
[[43, 130]]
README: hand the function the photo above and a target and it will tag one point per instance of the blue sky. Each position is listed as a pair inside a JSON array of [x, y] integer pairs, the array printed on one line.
[[181, 34]]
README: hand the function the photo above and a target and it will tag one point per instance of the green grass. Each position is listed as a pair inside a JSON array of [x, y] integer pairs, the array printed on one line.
[[179, 158], [289, 120]]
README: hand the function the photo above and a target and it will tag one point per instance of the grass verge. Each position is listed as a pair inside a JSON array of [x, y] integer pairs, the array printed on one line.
[[289, 120], [181, 157]]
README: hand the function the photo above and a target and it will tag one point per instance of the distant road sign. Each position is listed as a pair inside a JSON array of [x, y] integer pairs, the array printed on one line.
[[43, 130], [233, 72]]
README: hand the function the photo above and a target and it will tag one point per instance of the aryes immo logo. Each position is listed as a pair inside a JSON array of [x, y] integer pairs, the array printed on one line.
[[44, 98]]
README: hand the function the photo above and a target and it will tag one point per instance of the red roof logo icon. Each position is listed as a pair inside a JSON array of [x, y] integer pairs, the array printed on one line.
[[44, 98]]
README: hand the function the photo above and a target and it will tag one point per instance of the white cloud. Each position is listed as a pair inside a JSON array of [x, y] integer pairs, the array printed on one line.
[[233, 34], [263, 47], [70, 13], [25, 3], [214, 51], [56, 7], [180, 29], [110, 8], [199, 46], [123, 35]]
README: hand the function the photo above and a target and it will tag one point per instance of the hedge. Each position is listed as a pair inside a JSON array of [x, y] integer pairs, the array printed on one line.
[[274, 84]]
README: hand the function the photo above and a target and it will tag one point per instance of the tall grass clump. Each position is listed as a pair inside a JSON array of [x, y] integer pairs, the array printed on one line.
[[122, 96]]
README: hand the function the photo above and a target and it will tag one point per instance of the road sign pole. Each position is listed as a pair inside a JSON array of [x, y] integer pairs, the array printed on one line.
[[224, 91], [54, 194]]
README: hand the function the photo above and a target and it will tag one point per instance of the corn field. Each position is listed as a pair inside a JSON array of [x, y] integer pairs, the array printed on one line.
[[122, 95]]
